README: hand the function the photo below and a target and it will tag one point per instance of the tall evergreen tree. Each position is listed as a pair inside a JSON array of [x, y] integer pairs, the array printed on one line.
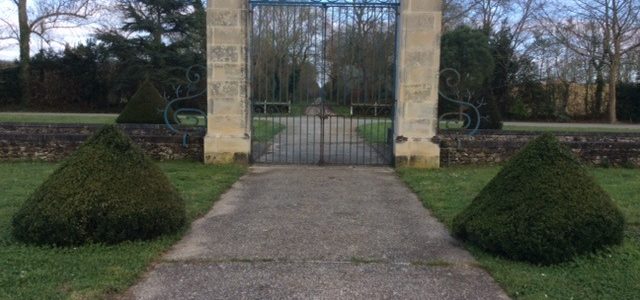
[[504, 73], [467, 51], [159, 39]]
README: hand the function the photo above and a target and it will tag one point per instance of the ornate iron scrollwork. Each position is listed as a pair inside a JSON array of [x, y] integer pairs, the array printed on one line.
[[469, 112], [187, 120]]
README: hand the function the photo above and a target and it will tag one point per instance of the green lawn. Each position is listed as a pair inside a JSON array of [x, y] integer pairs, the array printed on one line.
[[375, 132], [297, 109], [56, 119], [341, 110], [613, 274], [79, 119], [94, 271], [264, 131]]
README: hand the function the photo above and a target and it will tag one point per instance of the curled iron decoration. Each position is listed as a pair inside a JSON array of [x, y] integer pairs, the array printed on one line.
[[185, 120], [469, 112]]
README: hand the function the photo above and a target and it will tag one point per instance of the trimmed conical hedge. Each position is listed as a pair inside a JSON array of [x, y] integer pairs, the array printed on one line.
[[146, 106], [543, 207], [108, 191]]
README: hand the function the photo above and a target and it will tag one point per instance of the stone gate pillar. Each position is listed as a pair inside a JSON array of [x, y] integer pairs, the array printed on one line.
[[418, 64], [228, 127]]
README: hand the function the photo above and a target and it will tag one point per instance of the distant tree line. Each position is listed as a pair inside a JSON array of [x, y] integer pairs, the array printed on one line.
[[157, 40], [518, 59], [344, 54], [546, 60]]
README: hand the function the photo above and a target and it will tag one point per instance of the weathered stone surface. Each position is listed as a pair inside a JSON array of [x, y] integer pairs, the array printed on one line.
[[226, 4], [228, 136], [57, 141], [227, 72], [224, 54], [490, 147], [416, 91], [224, 89], [223, 18], [425, 5], [232, 35], [420, 20]]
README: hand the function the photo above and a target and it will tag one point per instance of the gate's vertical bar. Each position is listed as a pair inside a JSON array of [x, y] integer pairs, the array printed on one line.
[[251, 56], [334, 114], [271, 96], [323, 83], [294, 88], [315, 59], [380, 70], [396, 21], [309, 151]]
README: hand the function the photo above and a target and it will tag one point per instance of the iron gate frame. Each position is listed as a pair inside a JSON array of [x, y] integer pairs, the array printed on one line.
[[393, 5]]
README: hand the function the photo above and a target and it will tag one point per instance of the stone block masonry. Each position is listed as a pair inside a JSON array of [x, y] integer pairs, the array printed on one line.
[[418, 63], [229, 133], [38, 142], [418, 58], [494, 147]]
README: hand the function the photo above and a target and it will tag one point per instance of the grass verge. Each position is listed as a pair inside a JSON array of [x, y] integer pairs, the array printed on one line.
[[375, 132], [57, 119], [264, 131], [296, 110], [93, 271], [611, 274]]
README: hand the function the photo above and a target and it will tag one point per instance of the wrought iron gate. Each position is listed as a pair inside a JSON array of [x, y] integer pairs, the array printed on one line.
[[322, 75]]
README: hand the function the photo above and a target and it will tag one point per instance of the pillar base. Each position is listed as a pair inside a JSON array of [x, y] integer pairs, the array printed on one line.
[[226, 149], [419, 154]]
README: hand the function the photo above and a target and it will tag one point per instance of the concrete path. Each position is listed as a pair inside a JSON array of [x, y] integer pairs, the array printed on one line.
[[304, 141], [321, 233]]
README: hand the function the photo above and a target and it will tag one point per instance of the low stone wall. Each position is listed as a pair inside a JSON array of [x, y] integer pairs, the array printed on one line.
[[494, 147], [53, 142]]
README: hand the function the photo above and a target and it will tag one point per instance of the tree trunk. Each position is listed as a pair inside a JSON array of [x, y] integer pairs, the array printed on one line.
[[613, 80], [587, 96], [599, 96], [25, 33]]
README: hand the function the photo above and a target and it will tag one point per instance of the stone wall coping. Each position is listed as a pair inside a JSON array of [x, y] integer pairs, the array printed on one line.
[[81, 125], [133, 130], [486, 132], [505, 144], [70, 137]]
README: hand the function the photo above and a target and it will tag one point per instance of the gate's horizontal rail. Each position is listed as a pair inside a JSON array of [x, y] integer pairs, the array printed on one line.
[[327, 3]]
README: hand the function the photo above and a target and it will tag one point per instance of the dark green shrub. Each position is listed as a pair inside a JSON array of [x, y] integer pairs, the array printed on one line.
[[145, 106], [108, 191], [628, 102], [543, 207]]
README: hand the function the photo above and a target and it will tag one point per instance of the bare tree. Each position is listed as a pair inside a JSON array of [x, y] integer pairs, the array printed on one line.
[[489, 13], [40, 19], [455, 12], [615, 24]]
